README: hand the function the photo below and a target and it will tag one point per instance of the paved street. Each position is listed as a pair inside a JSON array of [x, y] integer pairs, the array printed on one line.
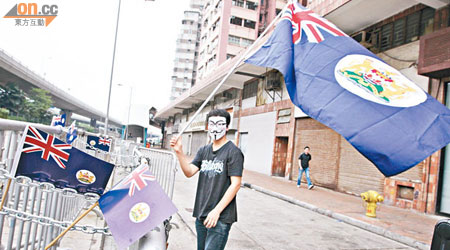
[[269, 223]]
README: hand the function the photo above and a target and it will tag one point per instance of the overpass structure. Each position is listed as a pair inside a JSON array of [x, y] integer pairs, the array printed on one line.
[[12, 70]]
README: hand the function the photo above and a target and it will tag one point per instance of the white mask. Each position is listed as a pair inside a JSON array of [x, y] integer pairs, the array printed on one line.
[[217, 127]]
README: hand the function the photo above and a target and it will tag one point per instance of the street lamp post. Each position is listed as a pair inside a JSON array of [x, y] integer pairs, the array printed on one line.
[[112, 71], [129, 109]]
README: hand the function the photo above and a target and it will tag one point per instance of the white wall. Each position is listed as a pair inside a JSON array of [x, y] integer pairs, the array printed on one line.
[[261, 135], [249, 102]]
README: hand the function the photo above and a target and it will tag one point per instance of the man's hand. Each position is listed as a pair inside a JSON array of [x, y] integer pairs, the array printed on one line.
[[175, 143], [211, 219]]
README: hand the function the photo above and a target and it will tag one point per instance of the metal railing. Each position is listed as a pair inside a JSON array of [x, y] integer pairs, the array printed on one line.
[[37, 212]]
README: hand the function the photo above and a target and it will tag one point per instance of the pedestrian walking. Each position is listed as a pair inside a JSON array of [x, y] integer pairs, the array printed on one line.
[[303, 166], [220, 164]]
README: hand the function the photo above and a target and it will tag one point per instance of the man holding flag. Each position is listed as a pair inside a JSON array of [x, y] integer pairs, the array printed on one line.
[[338, 82], [220, 165]]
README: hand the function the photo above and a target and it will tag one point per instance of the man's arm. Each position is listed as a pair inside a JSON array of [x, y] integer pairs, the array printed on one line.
[[188, 169], [213, 216], [300, 164]]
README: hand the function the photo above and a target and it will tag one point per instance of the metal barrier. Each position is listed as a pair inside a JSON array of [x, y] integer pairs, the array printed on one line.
[[163, 164], [35, 213]]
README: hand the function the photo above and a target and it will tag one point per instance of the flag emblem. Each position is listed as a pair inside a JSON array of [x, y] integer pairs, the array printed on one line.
[[137, 179], [376, 81], [139, 212], [85, 176], [49, 147]]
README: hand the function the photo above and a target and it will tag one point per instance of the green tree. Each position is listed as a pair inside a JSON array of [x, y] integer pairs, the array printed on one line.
[[37, 106], [4, 113], [12, 98]]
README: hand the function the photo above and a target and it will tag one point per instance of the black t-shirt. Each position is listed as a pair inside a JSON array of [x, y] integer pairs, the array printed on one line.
[[216, 167], [305, 158]]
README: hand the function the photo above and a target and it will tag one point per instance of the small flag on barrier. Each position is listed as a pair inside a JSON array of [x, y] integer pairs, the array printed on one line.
[[59, 120], [101, 143], [139, 203], [43, 157], [72, 134]]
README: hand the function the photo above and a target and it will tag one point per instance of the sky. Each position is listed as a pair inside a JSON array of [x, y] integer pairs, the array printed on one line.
[[74, 52]]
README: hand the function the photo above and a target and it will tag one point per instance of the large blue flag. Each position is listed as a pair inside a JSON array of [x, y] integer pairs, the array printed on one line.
[[101, 143], [135, 206], [44, 158], [341, 84]]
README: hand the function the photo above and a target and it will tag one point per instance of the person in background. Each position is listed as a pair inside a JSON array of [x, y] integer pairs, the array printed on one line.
[[303, 166]]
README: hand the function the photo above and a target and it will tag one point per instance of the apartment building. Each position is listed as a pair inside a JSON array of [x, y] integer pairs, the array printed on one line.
[[186, 55]]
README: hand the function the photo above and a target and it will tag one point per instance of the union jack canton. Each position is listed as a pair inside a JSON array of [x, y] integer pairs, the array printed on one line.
[[46, 143], [304, 20]]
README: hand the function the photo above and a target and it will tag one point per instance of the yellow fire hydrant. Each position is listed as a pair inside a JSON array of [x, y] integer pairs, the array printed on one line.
[[371, 197]]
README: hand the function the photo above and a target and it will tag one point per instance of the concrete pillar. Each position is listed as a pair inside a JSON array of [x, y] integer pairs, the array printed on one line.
[[68, 116], [93, 123]]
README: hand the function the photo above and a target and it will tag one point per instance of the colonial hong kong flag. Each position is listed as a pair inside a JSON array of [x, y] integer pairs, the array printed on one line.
[[101, 143], [335, 80], [43, 157], [72, 134], [59, 120], [135, 206]]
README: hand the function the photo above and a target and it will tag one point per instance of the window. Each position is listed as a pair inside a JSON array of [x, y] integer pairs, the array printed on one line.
[[239, 3], [277, 11], [230, 56], [399, 32], [236, 20], [412, 27], [246, 42], [426, 21], [250, 89], [404, 30], [386, 36], [234, 40], [250, 5], [249, 24]]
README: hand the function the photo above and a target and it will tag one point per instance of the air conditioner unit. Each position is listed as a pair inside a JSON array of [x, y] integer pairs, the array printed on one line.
[[363, 37], [273, 84]]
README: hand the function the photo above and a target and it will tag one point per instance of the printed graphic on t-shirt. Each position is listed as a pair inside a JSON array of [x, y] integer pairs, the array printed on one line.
[[212, 168]]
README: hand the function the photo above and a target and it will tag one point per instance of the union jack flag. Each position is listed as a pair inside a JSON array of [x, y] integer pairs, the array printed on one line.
[[47, 145], [137, 179], [104, 141], [304, 20]]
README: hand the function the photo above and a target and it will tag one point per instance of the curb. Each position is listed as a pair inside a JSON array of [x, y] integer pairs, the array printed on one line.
[[346, 219]]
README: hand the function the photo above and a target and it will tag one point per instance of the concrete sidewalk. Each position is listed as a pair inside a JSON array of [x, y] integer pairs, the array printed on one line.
[[406, 226]]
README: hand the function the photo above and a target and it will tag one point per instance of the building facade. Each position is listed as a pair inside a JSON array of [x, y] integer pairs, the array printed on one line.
[[411, 36], [186, 55]]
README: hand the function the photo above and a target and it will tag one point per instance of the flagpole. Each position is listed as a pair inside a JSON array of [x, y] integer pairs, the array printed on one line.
[[5, 194], [241, 59], [71, 225]]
